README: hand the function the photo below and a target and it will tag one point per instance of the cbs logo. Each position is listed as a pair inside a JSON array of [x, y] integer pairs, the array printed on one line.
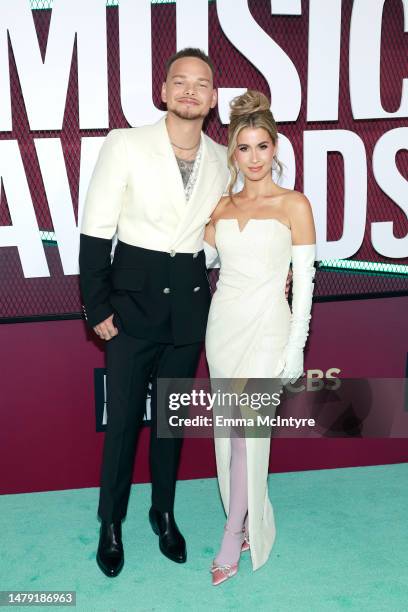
[[316, 380]]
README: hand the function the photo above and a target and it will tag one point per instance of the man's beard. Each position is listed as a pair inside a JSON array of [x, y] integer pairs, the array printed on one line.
[[189, 113]]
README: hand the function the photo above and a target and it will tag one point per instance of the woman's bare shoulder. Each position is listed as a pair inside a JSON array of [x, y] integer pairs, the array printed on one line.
[[295, 199], [295, 204], [220, 208], [300, 214]]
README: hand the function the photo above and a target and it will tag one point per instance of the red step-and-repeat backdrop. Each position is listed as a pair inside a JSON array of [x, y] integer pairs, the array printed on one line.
[[335, 74], [70, 70]]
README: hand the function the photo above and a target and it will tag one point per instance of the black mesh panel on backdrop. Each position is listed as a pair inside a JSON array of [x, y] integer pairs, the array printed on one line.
[[367, 274]]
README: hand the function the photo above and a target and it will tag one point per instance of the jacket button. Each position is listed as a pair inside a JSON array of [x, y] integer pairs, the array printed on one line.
[[195, 255], [166, 290], [196, 289], [172, 253]]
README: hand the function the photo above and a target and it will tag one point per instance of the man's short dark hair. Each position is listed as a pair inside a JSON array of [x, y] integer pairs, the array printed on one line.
[[189, 52]]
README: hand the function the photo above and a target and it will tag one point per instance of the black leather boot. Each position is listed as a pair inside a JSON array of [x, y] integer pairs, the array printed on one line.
[[110, 550], [171, 542]]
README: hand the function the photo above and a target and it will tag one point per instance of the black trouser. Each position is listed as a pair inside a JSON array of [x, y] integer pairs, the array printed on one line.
[[130, 364]]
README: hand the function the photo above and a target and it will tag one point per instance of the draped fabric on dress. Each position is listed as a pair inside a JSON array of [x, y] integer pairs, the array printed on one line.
[[247, 331]]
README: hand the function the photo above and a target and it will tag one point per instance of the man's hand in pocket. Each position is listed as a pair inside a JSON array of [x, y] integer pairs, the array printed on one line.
[[106, 329]]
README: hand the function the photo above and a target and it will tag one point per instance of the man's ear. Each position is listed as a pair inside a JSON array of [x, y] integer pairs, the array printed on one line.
[[164, 92], [214, 98]]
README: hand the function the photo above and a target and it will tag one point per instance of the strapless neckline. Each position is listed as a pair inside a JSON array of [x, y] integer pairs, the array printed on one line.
[[241, 231]]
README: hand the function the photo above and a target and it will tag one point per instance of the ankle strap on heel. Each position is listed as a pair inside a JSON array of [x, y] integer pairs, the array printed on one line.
[[234, 533]]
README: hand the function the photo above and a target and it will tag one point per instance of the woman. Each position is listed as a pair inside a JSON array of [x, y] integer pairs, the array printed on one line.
[[251, 332]]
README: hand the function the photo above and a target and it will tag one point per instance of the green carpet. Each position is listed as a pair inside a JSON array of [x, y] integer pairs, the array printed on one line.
[[341, 545]]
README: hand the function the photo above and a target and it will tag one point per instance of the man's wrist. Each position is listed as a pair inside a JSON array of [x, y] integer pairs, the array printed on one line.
[[98, 314]]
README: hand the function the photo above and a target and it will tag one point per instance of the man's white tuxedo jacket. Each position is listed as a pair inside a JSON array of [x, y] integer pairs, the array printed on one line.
[[137, 189], [157, 283]]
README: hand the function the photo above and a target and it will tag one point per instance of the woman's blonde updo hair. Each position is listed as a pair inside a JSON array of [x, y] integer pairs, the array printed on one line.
[[249, 110]]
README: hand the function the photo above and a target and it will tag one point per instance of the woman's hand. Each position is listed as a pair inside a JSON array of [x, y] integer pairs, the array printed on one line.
[[293, 369]]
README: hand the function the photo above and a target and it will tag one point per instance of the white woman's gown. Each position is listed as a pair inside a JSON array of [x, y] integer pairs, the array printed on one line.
[[247, 331]]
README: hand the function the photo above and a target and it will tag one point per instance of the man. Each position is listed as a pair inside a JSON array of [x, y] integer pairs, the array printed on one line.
[[156, 186]]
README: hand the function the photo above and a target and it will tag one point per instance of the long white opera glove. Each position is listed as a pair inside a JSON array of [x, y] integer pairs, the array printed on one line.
[[211, 256], [303, 258]]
